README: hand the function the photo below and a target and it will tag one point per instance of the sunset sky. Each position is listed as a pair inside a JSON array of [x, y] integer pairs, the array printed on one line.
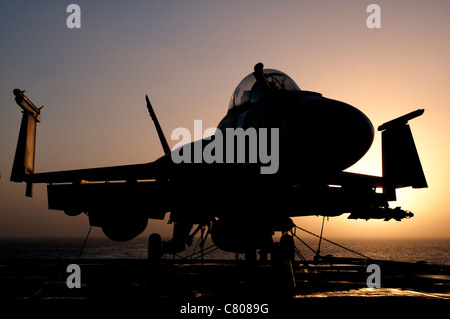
[[188, 56]]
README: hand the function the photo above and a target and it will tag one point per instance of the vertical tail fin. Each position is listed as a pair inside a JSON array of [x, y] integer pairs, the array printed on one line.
[[25, 151], [401, 162]]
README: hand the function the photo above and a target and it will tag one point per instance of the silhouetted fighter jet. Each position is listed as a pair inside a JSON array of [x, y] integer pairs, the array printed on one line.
[[312, 140]]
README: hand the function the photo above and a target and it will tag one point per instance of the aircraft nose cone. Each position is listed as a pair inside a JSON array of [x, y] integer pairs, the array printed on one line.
[[326, 134]]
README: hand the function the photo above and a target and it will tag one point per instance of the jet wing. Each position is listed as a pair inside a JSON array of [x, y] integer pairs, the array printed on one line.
[[113, 173], [344, 178], [23, 166]]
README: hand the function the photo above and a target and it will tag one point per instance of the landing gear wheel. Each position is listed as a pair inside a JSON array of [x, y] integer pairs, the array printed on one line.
[[287, 248], [154, 248], [283, 256]]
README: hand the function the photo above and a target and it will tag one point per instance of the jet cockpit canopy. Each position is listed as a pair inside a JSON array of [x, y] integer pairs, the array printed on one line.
[[249, 90]]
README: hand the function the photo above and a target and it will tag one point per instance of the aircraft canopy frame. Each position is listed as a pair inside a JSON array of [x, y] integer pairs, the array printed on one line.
[[248, 91]]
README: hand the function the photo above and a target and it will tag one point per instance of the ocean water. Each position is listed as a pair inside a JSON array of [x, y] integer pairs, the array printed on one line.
[[433, 251]]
